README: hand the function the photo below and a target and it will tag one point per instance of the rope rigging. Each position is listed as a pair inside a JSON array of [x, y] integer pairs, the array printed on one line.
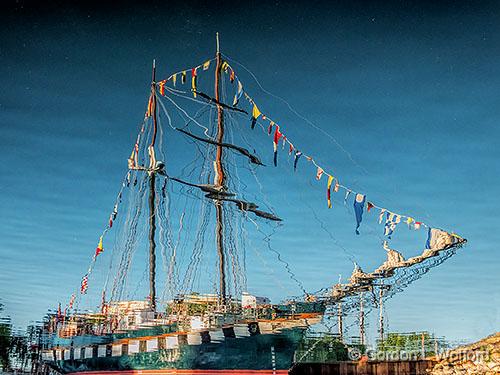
[[185, 224]]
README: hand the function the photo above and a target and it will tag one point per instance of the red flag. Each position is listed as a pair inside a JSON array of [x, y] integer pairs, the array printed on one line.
[[84, 286], [162, 87], [369, 206], [319, 173], [150, 106], [99, 248], [277, 135]]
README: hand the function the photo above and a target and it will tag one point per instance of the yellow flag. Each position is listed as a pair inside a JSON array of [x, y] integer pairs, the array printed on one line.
[[330, 180], [193, 81], [255, 112], [409, 220], [99, 248], [131, 160], [174, 79], [206, 65], [329, 185]]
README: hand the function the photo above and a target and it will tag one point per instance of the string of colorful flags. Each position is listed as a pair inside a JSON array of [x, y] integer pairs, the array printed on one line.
[[390, 218], [133, 164], [183, 76], [100, 247]]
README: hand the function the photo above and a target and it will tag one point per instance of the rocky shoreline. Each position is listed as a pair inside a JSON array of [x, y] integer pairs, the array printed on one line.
[[481, 358]]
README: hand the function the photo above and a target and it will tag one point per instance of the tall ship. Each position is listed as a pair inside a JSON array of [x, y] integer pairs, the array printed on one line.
[[177, 230]]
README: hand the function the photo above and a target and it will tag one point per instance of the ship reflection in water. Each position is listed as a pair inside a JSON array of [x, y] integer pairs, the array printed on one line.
[[205, 322], [251, 334]]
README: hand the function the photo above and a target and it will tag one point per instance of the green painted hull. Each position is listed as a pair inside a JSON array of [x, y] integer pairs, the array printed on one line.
[[259, 352]]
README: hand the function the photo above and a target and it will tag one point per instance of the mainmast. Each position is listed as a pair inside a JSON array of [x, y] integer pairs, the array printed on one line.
[[220, 178], [152, 196]]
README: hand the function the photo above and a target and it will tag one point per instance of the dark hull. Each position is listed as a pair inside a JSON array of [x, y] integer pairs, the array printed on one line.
[[261, 353]]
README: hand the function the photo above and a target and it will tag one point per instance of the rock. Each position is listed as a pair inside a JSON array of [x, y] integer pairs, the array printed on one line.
[[480, 358]]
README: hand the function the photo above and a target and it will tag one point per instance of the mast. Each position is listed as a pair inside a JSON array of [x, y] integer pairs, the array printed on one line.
[[220, 178], [151, 201]]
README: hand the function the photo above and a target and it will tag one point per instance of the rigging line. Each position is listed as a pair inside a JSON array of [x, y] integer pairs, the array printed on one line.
[[185, 71], [188, 97], [213, 101], [134, 293], [198, 114], [252, 170], [335, 241], [344, 187], [347, 189], [172, 90], [165, 235], [130, 241], [240, 186], [160, 145], [186, 207], [117, 202], [243, 234], [187, 115], [232, 249], [129, 222], [167, 114], [348, 209], [253, 158], [425, 212], [203, 221], [267, 239], [140, 236], [171, 271], [299, 115], [237, 184], [263, 260]]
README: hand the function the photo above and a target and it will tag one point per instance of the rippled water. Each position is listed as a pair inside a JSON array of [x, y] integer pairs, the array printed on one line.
[[408, 95]]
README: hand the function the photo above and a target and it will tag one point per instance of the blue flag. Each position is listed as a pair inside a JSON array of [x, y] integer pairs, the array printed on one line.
[[428, 242], [298, 154], [391, 221], [359, 204]]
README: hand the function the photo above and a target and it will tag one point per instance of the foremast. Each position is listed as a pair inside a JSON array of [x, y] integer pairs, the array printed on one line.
[[219, 179]]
